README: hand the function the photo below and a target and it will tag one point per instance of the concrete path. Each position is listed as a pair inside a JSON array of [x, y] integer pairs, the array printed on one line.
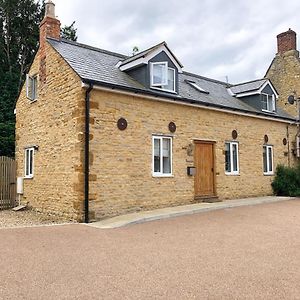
[[164, 213]]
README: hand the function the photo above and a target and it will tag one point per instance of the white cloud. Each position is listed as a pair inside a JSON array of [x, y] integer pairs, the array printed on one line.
[[213, 38]]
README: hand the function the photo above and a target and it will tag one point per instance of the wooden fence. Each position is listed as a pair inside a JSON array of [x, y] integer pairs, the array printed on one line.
[[7, 182]]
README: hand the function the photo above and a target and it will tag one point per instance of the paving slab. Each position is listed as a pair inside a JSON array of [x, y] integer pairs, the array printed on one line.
[[175, 211]]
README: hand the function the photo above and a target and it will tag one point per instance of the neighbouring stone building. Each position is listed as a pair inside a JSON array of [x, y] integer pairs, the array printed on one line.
[[100, 134], [284, 71]]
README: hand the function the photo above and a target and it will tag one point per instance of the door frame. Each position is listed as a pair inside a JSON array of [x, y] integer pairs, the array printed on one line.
[[213, 143]]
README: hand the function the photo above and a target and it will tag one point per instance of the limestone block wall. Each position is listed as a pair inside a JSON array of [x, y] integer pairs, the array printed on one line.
[[284, 73], [121, 167], [121, 161], [52, 123]]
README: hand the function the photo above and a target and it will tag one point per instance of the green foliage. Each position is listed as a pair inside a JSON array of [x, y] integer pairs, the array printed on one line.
[[19, 35], [69, 32], [7, 138], [287, 181]]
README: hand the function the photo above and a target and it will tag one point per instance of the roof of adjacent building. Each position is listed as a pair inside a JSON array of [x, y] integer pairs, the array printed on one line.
[[100, 67]]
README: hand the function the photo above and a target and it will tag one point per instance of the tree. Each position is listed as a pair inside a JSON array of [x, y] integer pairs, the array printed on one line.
[[19, 37], [19, 34], [69, 32]]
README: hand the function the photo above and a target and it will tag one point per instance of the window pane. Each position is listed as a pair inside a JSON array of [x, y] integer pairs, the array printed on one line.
[[265, 159], [30, 161], [29, 87], [227, 158], [273, 103], [270, 159], [159, 74], [156, 155], [34, 88], [166, 156], [234, 157], [270, 103], [171, 80], [264, 101], [26, 162]]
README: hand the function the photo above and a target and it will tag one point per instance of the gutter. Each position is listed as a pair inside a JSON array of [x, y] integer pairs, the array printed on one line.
[[86, 153], [180, 100]]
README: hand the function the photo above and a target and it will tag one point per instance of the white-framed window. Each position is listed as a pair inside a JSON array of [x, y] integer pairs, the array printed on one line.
[[232, 158], [161, 156], [268, 102], [29, 162], [171, 80], [162, 77], [31, 87], [268, 160]]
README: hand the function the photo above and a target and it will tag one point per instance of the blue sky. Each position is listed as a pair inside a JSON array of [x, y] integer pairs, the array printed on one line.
[[213, 38]]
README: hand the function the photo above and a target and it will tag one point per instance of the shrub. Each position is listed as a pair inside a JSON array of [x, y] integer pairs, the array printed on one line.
[[287, 181]]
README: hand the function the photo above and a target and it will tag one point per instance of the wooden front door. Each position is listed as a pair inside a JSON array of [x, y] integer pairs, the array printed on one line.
[[204, 163]]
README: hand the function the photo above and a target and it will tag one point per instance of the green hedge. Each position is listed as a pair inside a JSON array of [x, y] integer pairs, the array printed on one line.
[[287, 181]]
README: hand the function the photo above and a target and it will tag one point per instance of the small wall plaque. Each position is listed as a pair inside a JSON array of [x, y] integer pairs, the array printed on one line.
[[190, 150], [234, 134], [172, 127], [122, 124], [284, 141], [266, 138]]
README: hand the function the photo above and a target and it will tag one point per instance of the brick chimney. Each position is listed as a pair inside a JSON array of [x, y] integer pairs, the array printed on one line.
[[286, 41], [49, 28]]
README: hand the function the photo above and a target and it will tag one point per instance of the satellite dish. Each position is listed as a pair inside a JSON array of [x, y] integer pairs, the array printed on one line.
[[291, 99]]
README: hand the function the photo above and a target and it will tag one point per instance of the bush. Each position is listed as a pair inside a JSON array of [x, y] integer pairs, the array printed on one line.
[[287, 181]]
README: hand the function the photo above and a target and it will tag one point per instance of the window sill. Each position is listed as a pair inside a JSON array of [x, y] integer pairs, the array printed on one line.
[[32, 101], [232, 174], [268, 174], [162, 176], [269, 111], [163, 90], [28, 177]]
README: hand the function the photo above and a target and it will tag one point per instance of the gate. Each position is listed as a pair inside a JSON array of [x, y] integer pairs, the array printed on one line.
[[7, 182]]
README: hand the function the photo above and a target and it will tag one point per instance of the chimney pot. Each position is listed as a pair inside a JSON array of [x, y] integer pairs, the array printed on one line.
[[50, 9], [286, 41]]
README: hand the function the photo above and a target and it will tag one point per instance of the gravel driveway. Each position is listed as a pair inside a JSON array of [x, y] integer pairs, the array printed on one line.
[[9, 218], [241, 253]]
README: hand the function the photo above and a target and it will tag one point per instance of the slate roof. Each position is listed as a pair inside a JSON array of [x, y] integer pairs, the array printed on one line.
[[247, 86], [99, 67]]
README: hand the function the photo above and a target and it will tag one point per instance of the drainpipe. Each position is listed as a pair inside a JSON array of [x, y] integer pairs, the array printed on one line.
[[86, 153], [288, 140]]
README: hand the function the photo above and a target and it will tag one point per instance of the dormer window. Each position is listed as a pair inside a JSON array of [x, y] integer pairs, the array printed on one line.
[[159, 74], [162, 77], [268, 103]]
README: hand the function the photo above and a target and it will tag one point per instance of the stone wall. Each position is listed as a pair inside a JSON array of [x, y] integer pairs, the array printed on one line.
[[52, 123], [121, 161], [121, 168], [284, 73]]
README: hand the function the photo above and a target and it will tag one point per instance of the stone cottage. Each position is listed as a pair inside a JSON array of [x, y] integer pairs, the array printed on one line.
[[100, 134]]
